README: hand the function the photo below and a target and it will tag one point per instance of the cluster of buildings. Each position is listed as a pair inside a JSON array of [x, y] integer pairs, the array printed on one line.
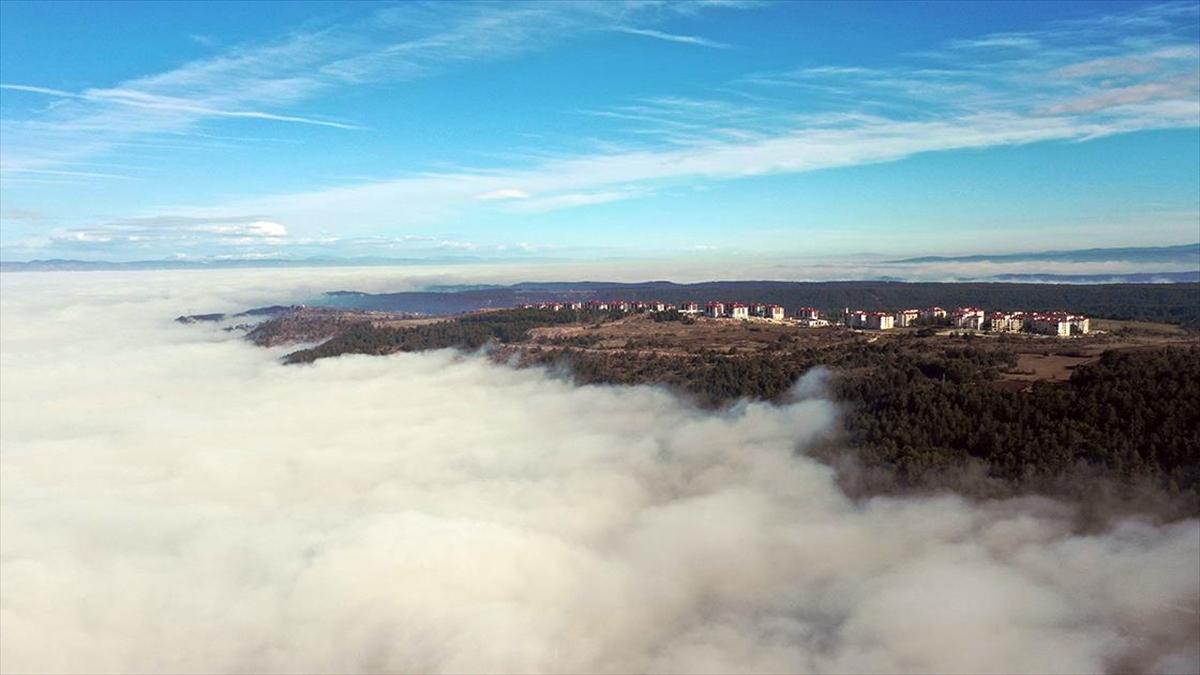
[[1062, 324], [602, 306], [735, 310], [732, 310]]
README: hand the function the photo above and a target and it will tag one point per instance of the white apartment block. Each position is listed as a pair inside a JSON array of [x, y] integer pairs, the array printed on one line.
[[907, 317], [967, 317], [880, 321]]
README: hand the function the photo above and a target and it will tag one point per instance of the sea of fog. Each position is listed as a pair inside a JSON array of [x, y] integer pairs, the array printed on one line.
[[174, 500]]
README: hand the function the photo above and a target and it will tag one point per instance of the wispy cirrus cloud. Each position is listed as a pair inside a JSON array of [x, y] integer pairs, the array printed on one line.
[[1143, 63], [949, 100], [139, 99], [673, 37], [1111, 98], [575, 181], [265, 81]]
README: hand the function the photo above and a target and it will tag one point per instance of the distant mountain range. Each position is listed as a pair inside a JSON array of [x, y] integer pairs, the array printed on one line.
[[1181, 254]]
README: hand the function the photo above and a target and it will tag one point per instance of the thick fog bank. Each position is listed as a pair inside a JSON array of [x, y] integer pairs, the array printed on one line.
[[174, 500]]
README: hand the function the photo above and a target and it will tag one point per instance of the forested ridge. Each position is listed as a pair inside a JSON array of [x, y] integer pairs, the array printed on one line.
[[467, 332], [917, 409]]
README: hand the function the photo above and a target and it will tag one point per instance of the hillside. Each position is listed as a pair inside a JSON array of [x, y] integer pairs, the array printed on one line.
[[984, 415]]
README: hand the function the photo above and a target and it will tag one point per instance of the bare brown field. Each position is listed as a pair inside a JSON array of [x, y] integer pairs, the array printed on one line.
[[386, 321], [641, 332], [1032, 367]]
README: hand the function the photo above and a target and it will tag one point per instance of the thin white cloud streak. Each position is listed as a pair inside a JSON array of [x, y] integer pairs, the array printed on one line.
[[673, 37], [175, 500], [139, 99], [61, 172], [571, 200], [1000, 41]]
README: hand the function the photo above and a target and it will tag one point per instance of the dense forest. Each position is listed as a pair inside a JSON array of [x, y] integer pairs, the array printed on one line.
[[1132, 415]]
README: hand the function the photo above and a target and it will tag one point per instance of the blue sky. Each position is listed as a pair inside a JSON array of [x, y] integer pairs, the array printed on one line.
[[575, 130]]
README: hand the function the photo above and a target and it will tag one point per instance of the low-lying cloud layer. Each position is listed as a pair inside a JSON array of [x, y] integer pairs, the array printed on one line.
[[174, 500]]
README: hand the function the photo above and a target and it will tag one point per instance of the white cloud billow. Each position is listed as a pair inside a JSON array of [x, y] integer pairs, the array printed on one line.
[[175, 500]]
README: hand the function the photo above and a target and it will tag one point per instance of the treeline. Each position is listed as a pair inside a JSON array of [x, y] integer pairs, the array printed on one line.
[[713, 378]]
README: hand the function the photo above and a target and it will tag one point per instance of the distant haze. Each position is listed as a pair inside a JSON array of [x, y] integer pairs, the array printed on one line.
[[1150, 264], [174, 500]]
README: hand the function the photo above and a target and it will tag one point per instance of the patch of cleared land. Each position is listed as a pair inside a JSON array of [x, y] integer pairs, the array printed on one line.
[[642, 333]]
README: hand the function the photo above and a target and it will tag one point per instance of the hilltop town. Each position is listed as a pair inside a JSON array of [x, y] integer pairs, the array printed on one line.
[[1059, 324], [1027, 396]]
